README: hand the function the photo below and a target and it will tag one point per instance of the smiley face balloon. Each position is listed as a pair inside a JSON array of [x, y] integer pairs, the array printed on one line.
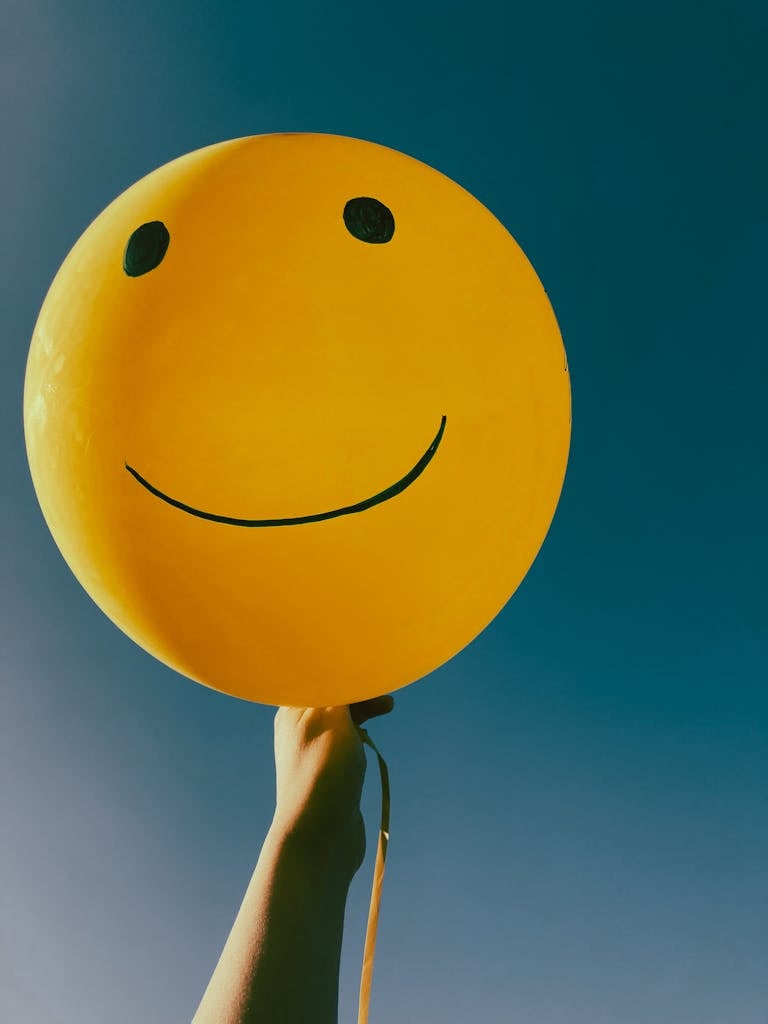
[[297, 413]]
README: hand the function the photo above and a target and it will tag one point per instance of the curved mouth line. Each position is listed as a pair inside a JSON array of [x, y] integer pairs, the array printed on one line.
[[360, 506]]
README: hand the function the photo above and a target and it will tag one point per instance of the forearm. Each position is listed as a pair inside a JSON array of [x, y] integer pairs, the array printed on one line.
[[280, 964]]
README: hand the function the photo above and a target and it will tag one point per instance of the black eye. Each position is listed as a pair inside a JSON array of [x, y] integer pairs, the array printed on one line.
[[146, 248], [369, 220]]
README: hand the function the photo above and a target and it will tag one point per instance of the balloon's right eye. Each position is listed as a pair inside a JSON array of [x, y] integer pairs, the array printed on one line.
[[146, 248]]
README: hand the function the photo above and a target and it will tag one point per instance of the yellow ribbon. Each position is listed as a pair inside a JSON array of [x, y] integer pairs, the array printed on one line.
[[378, 878]]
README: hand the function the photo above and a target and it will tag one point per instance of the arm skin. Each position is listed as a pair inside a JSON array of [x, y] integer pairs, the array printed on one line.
[[280, 964]]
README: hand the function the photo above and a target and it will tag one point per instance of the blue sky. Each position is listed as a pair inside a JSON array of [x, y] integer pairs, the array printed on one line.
[[579, 830]]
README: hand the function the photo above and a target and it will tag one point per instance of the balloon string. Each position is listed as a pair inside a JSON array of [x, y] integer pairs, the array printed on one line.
[[378, 878]]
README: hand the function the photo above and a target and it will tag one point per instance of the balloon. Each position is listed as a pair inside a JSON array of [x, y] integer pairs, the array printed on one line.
[[297, 413]]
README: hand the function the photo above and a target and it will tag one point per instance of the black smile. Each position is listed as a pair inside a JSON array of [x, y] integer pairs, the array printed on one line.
[[360, 506]]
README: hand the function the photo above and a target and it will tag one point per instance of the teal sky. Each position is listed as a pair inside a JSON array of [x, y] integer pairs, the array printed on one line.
[[579, 824]]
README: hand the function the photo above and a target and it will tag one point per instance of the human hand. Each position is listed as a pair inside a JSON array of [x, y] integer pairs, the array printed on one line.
[[320, 767]]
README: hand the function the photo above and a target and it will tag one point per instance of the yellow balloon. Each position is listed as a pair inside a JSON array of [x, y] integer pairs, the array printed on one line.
[[297, 413]]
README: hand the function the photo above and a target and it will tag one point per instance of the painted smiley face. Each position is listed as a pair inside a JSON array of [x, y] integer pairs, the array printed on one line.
[[267, 333]]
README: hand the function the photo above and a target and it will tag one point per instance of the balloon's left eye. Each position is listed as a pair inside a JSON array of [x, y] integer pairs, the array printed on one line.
[[146, 248]]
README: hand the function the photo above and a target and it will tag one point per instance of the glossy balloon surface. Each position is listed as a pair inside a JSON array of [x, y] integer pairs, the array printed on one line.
[[297, 413]]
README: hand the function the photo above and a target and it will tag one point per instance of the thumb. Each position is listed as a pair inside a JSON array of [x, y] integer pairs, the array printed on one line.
[[372, 708]]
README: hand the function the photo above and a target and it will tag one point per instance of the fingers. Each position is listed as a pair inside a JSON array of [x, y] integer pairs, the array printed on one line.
[[365, 709], [312, 719]]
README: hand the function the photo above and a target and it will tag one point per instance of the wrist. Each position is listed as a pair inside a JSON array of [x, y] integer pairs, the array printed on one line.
[[334, 852]]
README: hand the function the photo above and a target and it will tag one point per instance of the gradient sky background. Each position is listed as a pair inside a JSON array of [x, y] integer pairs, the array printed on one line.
[[579, 830]]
